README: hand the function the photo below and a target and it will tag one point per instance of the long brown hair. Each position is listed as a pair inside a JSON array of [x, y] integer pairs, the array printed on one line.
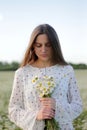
[[30, 56]]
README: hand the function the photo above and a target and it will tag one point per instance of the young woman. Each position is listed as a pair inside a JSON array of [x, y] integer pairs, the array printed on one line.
[[43, 57]]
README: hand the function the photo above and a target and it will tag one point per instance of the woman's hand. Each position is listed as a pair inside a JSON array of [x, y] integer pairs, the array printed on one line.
[[47, 110]]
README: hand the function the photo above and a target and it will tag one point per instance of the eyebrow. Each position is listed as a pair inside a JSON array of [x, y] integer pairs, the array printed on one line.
[[42, 43]]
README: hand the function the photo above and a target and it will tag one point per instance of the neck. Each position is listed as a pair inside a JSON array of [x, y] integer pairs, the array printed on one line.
[[42, 64]]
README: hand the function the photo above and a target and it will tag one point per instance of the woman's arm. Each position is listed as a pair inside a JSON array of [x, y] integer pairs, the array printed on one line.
[[74, 97], [17, 113], [68, 110]]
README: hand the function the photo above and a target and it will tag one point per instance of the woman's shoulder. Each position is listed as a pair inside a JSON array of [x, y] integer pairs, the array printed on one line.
[[22, 69], [67, 68]]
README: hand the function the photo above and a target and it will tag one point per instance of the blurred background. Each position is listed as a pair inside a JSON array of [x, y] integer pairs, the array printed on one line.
[[18, 18]]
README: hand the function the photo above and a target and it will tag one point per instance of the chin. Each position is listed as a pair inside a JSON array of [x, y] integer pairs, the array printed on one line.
[[45, 59]]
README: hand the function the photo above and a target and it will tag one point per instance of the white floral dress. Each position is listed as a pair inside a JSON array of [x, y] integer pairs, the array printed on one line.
[[24, 102]]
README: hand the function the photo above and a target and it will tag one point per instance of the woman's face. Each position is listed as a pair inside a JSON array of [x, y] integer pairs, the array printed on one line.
[[43, 48]]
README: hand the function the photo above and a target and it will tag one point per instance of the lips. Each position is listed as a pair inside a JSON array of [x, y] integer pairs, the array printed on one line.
[[44, 55]]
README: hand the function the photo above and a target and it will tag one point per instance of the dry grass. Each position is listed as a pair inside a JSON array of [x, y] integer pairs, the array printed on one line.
[[6, 80]]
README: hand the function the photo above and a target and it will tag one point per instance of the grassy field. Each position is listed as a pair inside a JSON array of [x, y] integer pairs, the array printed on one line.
[[6, 79]]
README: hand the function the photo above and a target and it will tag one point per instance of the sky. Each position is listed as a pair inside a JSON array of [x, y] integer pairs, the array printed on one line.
[[18, 18]]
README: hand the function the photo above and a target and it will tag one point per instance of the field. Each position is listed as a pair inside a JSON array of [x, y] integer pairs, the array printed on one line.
[[6, 79]]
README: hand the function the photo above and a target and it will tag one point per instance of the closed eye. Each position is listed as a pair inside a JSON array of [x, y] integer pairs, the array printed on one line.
[[48, 44], [40, 45]]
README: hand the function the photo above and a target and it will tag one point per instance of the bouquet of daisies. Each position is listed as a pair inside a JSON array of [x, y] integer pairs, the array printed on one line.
[[45, 86]]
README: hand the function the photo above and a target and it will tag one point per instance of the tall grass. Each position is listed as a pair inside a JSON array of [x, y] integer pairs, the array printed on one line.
[[6, 80]]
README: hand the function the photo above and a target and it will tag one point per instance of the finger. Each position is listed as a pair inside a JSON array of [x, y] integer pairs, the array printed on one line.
[[50, 112], [49, 115], [45, 99], [48, 100], [48, 106]]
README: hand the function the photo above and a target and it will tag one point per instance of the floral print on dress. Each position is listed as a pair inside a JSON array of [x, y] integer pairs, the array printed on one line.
[[24, 102]]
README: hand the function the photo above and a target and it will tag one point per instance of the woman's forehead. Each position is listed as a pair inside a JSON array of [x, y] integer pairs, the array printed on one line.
[[42, 37]]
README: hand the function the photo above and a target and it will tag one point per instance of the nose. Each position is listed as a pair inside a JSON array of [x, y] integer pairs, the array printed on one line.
[[43, 49]]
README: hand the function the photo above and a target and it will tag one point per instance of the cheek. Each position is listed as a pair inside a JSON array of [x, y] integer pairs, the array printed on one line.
[[51, 52], [36, 51]]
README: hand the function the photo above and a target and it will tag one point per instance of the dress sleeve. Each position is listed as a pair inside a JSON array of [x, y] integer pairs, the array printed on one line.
[[71, 107], [73, 96], [22, 117]]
